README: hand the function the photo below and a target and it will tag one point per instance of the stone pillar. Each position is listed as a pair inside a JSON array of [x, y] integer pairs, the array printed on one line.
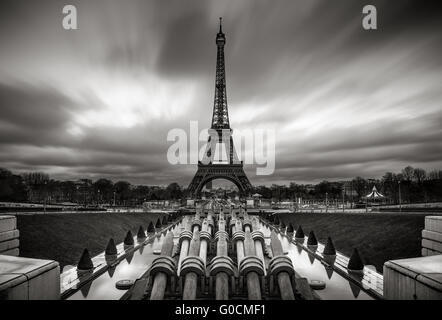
[[184, 242], [238, 239], [9, 236], [162, 268], [258, 238], [192, 266], [205, 236], [432, 236], [222, 266], [281, 268], [251, 267], [29, 279]]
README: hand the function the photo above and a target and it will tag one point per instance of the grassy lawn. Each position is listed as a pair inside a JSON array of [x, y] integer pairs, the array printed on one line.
[[62, 237], [379, 237]]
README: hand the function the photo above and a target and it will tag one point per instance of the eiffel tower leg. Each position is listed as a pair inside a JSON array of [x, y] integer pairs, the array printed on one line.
[[232, 172]]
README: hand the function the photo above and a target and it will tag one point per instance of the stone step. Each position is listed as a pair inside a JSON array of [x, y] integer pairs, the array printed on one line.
[[413, 279], [8, 223], [428, 252], [29, 279], [9, 235], [432, 235], [433, 223], [8, 245], [12, 252], [433, 245]]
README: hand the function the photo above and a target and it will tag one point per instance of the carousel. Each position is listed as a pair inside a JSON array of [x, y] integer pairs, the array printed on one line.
[[375, 198]]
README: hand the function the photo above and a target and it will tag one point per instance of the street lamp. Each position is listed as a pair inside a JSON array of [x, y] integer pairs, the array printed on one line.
[[326, 202], [400, 200], [343, 198]]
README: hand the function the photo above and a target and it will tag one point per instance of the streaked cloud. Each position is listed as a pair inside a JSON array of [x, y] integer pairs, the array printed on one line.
[[99, 101]]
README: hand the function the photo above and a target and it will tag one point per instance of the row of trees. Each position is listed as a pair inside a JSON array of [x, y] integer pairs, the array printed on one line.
[[411, 184], [37, 187]]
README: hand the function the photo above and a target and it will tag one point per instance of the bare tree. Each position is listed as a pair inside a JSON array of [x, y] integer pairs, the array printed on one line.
[[408, 173], [419, 174]]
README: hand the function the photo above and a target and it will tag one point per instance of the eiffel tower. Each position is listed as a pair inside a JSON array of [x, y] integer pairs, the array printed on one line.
[[220, 134]]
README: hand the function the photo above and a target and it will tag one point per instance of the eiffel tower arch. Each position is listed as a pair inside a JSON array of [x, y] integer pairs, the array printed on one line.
[[220, 133]]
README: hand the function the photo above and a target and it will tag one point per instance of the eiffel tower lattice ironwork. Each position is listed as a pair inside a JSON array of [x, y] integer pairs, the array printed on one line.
[[220, 134]]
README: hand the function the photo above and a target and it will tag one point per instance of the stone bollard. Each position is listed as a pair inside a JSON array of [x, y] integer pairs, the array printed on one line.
[[281, 268], [162, 268]]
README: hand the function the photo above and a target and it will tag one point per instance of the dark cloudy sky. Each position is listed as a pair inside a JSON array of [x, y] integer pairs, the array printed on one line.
[[99, 101]]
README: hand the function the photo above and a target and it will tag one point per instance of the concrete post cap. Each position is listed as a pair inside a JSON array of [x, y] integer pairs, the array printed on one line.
[[251, 264], [221, 232], [238, 235], [281, 264], [258, 235], [163, 264], [192, 264], [222, 264], [185, 235], [205, 235]]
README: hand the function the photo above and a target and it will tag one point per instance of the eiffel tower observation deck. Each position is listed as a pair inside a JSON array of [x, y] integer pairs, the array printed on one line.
[[220, 136]]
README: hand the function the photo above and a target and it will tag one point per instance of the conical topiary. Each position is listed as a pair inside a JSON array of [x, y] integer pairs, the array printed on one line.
[[299, 233], [158, 224], [85, 262], [276, 221], [290, 228], [150, 228], [140, 233], [170, 218], [312, 241], [282, 225], [355, 263], [111, 248], [129, 240], [329, 249], [164, 220]]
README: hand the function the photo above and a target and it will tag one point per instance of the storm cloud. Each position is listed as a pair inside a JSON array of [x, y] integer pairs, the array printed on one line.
[[99, 101]]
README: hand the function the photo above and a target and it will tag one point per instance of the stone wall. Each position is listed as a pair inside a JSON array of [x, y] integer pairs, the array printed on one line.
[[29, 279], [418, 278], [432, 236], [9, 236]]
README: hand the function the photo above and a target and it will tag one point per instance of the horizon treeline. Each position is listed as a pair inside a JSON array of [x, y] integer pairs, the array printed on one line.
[[415, 185]]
